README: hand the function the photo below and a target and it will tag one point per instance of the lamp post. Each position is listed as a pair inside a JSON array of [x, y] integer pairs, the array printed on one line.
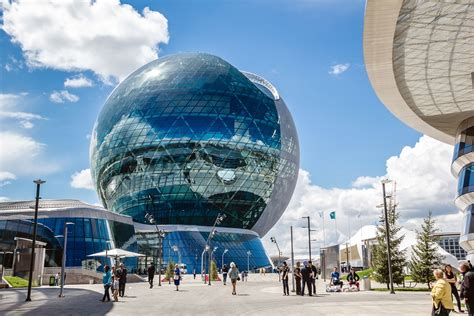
[[273, 240], [206, 249], [161, 235], [223, 253], [219, 219], [309, 235], [63, 265], [249, 253], [387, 227], [38, 183], [212, 252], [292, 262]]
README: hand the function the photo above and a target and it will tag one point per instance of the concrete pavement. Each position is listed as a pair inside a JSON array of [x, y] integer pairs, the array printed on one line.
[[261, 295]]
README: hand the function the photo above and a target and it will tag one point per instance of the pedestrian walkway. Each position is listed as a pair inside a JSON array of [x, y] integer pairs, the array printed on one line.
[[261, 295]]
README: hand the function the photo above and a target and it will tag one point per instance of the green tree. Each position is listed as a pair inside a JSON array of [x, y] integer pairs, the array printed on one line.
[[170, 270], [380, 254], [425, 256], [214, 271]]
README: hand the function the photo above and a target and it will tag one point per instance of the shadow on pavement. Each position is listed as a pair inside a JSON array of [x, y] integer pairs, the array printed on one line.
[[45, 301]]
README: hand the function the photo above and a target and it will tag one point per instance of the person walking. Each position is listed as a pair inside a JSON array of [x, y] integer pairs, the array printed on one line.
[[353, 278], [225, 270], [314, 273], [243, 275], [306, 275], [194, 274], [177, 276], [151, 274], [106, 281], [57, 278], [450, 277], [297, 273], [122, 274], [284, 277], [467, 287], [441, 295], [234, 276], [115, 287]]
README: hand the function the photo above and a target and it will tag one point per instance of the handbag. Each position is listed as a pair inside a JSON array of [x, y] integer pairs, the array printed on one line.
[[440, 311]]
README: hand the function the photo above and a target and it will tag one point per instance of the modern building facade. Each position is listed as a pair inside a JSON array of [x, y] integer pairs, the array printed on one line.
[[93, 229], [450, 243], [189, 137], [420, 60]]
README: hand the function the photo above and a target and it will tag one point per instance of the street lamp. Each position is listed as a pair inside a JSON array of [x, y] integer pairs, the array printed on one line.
[[63, 265], [387, 227], [219, 219], [223, 253], [212, 252], [38, 183], [309, 235], [206, 249], [161, 235], [249, 253], [273, 240]]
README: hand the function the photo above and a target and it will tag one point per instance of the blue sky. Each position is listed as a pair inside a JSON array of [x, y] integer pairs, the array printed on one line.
[[59, 60], [344, 130]]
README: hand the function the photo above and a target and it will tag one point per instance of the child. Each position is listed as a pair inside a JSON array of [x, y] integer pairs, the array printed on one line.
[[115, 288]]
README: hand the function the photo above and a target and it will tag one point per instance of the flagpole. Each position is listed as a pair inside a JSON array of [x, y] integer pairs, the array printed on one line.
[[321, 214]]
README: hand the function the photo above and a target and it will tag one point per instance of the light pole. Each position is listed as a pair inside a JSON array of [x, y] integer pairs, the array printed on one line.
[[219, 219], [212, 252], [161, 235], [309, 235], [206, 249], [387, 227], [249, 253], [38, 183], [223, 253], [273, 240], [292, 262], [63, 265]]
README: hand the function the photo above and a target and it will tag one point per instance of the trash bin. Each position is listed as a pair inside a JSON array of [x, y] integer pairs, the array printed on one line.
[[52, 281], [366, 283]]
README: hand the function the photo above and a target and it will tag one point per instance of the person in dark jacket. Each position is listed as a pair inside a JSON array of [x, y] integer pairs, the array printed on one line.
[[122, 275], [353, 278], [151, 274], [284, 277], [314, 274], [306, 275], [467, 287], [225, 270], [451, 278], [298, 277], [335, 278]]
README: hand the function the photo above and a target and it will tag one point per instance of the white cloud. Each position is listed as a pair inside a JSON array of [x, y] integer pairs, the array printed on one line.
[[423, 180], [104, 36], [63, 96], [79, 81], [5, 176], [22, 155], [4, 199], [82, 180], [9, 104], [339, 69]]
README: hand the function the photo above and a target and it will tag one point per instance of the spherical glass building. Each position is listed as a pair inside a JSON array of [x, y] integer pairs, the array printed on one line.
[[188, 137]]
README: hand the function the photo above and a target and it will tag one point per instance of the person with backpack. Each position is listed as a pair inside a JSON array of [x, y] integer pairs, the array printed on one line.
[[225, 270], [234, 277]]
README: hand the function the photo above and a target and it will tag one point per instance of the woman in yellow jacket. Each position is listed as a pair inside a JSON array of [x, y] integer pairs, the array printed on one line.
[[441, 294]]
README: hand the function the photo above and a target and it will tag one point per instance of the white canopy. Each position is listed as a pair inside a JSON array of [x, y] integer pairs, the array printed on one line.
[[116, 252]]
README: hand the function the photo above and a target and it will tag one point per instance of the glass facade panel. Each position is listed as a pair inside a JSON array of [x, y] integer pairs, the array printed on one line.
[[466, 180], [188, 246], [464, 142], [189, 136]]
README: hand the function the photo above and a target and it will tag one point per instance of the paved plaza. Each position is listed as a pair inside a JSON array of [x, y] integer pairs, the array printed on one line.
[[261, 295]]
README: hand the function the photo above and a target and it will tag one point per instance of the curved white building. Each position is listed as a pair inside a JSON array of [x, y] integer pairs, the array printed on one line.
[[419, 56]]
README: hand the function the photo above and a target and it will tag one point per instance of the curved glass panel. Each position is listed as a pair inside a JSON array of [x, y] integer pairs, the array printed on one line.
[[187, 247], [466, 180], [189, 136], [464, 143]]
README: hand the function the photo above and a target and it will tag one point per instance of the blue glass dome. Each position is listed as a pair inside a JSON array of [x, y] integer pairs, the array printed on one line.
[[189, 136]]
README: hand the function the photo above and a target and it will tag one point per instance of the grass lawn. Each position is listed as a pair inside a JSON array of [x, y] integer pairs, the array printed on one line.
[[17, 281]]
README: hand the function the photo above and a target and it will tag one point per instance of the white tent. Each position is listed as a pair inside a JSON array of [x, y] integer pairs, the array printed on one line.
[[117, 253]]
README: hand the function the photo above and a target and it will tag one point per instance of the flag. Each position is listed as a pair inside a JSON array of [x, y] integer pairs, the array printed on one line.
[[332, 215]]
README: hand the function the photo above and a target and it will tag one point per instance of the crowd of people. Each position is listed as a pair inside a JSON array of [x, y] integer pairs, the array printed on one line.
[[445, 288]]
